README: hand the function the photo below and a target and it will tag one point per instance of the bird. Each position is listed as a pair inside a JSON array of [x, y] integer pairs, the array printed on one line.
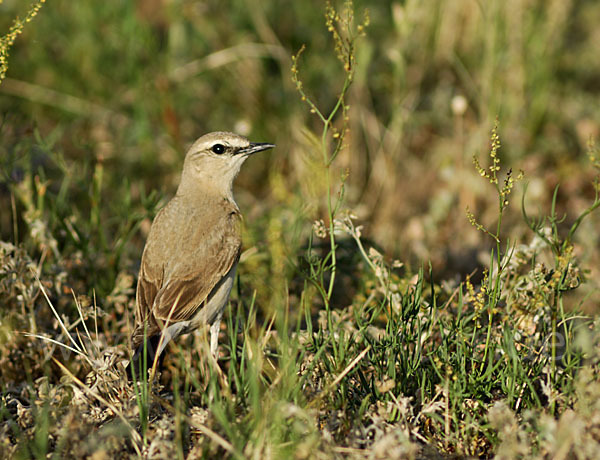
[[191, 254]]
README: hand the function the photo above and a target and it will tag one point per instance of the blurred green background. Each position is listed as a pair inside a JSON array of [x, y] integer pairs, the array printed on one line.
[[102, 98]]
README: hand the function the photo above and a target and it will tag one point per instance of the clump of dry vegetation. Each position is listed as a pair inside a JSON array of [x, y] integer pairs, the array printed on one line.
[[372, 318]]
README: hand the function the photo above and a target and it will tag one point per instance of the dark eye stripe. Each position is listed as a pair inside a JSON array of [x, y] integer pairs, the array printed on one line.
[[218, 149]]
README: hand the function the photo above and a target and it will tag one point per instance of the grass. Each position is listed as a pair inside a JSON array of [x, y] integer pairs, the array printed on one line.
[[372, 317]]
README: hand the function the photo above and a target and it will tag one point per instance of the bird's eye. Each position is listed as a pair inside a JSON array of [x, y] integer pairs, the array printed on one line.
[[218, 149]]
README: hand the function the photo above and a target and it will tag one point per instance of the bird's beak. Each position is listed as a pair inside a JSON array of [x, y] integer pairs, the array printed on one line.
[[255, 147]]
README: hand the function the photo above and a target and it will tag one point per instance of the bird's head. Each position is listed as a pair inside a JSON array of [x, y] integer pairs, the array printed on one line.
[[214, 160]]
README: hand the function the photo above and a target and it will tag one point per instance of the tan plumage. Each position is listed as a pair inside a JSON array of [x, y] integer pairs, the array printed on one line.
[[191, 254], [180, 228]]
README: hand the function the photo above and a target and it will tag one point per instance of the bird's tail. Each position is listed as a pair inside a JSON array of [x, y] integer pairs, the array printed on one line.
[[143, 358]]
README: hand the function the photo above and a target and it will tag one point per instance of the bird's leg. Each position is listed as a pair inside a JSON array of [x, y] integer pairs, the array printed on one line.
[[214, 337], [215, 327]]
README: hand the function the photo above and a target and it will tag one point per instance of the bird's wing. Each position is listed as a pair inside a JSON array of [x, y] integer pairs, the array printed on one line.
[[186, 293], [205, 259], [150, 280]]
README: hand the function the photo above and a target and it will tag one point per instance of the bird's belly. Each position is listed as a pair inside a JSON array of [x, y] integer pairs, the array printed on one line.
[[214, 306]]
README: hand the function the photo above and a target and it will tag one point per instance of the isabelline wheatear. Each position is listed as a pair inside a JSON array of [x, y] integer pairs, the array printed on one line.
[[191, 254]]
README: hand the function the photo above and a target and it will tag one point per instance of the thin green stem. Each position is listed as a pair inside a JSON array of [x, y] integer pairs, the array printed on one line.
[[331, 213]]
